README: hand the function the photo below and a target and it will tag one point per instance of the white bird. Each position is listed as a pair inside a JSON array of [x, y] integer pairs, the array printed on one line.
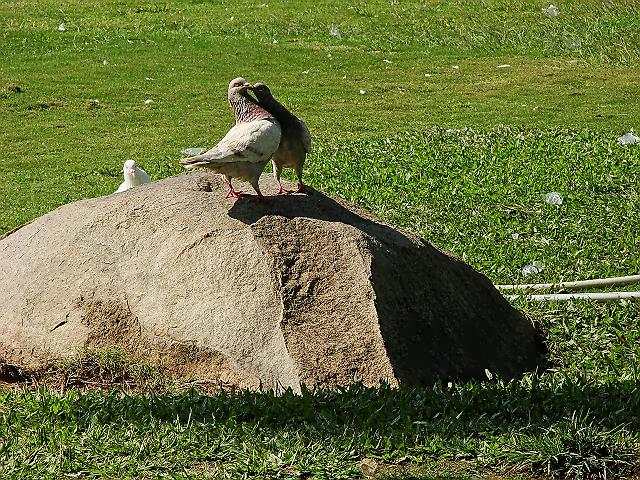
[[295, 142], [247, 147], [133, 176]]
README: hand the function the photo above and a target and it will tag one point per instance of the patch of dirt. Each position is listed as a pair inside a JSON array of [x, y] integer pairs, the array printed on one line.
[[84, 374], [9, 89], [92, 104], [93, 371], [41, 106], [11, 373]]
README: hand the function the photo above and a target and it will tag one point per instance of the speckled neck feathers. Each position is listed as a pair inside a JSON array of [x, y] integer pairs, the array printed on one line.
[[245, 109]]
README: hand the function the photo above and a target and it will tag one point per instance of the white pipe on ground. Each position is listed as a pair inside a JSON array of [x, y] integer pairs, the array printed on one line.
[[598, 282], [565, 297]]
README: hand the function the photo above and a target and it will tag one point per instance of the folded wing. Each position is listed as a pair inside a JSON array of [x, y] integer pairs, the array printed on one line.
[[251, 142]]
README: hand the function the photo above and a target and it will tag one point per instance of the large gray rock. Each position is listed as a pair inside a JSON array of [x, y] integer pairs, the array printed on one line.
[[305, 290]]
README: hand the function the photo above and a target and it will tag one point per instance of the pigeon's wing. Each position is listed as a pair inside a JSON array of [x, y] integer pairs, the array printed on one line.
[[123, 187], [142, 175], [305, 136], [251, 142]]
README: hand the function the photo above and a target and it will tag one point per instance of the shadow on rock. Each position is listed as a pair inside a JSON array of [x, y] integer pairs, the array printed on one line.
[[439, 318]]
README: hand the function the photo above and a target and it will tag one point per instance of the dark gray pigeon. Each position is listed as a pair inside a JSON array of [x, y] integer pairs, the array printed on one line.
[[295, 142], [247, 147]]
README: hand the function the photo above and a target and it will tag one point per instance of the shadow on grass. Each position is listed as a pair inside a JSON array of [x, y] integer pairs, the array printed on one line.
[[568, 430], [456, 410]]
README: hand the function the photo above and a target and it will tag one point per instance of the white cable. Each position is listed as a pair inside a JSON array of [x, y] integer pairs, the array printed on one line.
[[598, 282], [565, 297]]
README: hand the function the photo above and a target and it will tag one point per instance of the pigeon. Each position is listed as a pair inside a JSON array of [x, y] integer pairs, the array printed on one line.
[[247, 147], [295, 142], [133, 176]]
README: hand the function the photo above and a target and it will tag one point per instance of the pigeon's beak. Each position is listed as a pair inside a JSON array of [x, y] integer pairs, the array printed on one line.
[[133, 173]]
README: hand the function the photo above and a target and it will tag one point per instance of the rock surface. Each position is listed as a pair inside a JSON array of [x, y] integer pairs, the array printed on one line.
[[303, 290]]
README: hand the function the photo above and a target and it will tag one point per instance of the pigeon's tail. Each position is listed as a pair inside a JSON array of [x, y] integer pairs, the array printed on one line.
[[196, 161]]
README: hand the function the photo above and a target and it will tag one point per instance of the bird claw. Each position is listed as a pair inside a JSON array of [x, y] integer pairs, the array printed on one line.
[[284, 191], [234, 193], [303, 189]]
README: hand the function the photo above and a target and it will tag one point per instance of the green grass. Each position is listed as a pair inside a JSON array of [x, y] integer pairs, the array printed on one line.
[[568, 424], [471, 191], [58, 145], [462, 157]]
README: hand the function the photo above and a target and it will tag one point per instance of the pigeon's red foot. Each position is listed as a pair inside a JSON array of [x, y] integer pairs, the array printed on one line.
[[234, 193], [284, 191]]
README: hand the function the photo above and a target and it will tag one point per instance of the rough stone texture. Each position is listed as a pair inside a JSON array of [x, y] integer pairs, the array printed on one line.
[[306, 289]]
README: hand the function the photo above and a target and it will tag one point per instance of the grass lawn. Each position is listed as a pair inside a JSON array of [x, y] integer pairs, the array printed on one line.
[[445, 141]]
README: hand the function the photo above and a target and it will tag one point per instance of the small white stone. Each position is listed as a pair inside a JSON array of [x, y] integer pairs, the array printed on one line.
[[532, 268], [552, 11], [275, 42], [553, 198], [504, 65], [62, 27], [148, 101], [456, 67], [362, 92], [387, 61], [628, 139], [104, 62]]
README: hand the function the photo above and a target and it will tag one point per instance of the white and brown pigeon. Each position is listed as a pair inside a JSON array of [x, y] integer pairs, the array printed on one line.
[[247, 147], [133, 176], [295, 142]]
